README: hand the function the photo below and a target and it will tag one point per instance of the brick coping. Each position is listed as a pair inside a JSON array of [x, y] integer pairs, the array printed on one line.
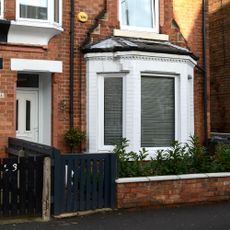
[[172, 177]]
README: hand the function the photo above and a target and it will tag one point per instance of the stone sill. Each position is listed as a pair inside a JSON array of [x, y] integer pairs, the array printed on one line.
[[140, 34], [172, 177]]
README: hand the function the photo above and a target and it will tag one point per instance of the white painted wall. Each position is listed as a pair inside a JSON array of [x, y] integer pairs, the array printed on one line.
[[45, 108]]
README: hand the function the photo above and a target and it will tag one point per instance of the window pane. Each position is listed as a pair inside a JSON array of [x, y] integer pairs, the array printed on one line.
[[112, 110], [0, 7], [36, 9], [137, 13], [56, 11], [157, 111], [28, 111], [28, 80]]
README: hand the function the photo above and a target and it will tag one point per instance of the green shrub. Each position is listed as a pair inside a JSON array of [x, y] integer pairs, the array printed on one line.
[[131, 164], [73, 138], [175, 160], [221, 160], [190, 157]]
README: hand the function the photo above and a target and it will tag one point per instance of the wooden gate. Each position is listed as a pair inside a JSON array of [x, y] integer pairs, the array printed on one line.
[[84, 182], [21, 181]]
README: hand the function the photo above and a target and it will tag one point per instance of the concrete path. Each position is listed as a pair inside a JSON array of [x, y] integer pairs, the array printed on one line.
[[201, 217]]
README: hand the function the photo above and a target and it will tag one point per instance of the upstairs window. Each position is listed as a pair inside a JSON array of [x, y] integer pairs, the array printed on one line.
[[139, 15], [1, 8], [40, 10]]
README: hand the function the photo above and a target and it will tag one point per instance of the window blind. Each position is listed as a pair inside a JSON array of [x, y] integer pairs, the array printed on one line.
[[157, 111], [112, 110], [34, 9]]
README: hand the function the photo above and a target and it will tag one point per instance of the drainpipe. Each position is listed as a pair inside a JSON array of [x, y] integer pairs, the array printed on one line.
[[204, 72], [71, 67], [100, 15]]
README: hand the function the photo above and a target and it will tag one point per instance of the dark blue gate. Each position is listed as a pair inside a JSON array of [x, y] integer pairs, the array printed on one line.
[[79, 181], [84, 182], [21, 186]]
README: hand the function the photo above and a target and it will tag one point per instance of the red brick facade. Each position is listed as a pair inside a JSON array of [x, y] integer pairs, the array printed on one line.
[[180, 19], [219, 34]]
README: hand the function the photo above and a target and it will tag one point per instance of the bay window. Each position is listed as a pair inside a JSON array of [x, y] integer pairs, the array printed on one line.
[[39, 10], [139, 14]]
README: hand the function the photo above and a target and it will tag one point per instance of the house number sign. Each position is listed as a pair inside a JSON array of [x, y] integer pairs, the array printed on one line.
[[82, 17], [12, 168]]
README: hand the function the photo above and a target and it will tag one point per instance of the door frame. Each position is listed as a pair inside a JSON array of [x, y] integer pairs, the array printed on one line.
[[44, 106]]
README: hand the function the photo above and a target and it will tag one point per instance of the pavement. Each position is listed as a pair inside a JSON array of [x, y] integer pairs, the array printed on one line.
[[198, 217]]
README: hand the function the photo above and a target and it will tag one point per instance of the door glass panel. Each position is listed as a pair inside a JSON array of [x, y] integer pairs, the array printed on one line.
[[28, 105], [16, 115], [28, 80]]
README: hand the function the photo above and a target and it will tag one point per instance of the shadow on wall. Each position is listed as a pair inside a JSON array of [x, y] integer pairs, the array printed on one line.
[[184, 21], [220, 65]]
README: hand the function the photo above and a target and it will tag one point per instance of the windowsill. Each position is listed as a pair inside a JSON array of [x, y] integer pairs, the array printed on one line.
[[38, 23], [32, 32], [140, 34]]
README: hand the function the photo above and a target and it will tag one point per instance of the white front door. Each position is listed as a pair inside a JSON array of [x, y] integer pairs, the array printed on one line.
[[27, 115]]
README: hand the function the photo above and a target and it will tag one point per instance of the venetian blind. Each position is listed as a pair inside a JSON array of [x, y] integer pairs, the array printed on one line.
[[112, 110], [157, 111]]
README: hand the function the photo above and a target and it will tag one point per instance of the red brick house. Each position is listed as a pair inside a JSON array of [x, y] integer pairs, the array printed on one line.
[[220, 66], [130, 70]]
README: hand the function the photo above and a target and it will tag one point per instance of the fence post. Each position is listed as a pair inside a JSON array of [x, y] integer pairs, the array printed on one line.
[[46, 193], [113, 176]]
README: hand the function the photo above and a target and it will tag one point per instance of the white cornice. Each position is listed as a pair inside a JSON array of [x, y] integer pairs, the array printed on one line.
[[133, 55]]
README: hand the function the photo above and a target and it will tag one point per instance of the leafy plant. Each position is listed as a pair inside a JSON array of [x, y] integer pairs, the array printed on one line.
[[131, 164], [190, 157], [221, 160], [74, 137]]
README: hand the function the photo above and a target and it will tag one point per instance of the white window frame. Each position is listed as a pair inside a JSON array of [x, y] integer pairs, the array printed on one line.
[[176, 108], [155, 13], [50, 14], [2, 9], [102, 146]]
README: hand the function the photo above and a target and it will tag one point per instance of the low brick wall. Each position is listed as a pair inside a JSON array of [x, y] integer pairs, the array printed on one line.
[[172, 190]]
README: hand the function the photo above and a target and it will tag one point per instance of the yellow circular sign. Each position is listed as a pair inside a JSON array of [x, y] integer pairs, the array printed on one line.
[[82, 17]]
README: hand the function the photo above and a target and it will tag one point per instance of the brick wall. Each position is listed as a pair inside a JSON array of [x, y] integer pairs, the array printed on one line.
[[172, 190], [219, 33], [180, 19]]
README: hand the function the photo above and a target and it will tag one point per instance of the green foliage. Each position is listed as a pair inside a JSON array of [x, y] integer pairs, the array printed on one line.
[[175, 160], [131, 164], [190, 157], [73, 138], [221, 160]]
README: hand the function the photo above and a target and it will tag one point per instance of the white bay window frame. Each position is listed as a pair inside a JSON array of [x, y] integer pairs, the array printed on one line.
[[2, 8], [50, 13], [176, 95], [101, 78], [155, 19]]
